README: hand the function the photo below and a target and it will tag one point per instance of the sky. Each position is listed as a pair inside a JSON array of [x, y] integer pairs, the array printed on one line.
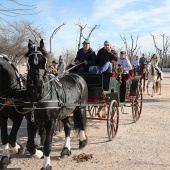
[[125, 17]]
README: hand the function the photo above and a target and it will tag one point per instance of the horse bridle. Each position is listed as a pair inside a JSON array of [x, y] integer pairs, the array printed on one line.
[[36, 53]]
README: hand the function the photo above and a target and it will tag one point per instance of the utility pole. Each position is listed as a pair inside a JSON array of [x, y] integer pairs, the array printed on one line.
[[52, 35]]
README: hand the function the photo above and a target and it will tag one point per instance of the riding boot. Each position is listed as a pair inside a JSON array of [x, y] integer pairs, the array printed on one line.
[[146, 78], [159, 75]]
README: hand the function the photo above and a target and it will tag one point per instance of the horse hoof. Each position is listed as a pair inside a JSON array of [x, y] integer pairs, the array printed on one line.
[[82, 144], [65, 152], [48, 167], [21, 150], [5, 161]]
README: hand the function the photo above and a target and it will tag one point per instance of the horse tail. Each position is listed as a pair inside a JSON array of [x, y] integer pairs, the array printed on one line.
[[80, 119], [79, 114], [157, 86]]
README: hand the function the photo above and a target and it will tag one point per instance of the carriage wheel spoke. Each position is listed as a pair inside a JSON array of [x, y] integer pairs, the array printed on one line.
[[112, 120]]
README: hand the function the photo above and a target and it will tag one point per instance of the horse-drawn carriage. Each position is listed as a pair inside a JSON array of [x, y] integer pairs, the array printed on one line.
[[49, 98], [107, 92]]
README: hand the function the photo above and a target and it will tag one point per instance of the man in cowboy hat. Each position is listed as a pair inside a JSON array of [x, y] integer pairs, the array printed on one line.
[[104, 59], [85, 58]]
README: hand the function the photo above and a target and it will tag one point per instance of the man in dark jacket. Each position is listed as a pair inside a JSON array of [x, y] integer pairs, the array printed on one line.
[[104, 59], [86, 56]]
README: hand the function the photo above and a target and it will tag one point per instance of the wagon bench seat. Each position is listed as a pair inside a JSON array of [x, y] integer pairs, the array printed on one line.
[[100, 85]]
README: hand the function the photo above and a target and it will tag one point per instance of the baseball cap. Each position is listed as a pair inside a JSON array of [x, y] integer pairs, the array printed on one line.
[[123, 52], [54, 62], [86, 42]]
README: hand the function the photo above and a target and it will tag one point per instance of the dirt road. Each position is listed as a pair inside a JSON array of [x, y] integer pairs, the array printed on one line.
[[141, 146]]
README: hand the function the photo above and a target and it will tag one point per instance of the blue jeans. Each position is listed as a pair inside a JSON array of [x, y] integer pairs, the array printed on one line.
[[78, 69], [157, 69], [106, 68]]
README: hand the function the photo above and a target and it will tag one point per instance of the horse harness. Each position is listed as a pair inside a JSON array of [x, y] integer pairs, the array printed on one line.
[[61, 104], [11, 101], [43, 104]]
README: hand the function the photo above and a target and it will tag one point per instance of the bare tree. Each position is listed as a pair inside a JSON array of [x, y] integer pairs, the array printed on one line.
[[14, 38], [13, 8], [35, 33], [117, 49], [162, 52], [133, 49], [68, 55], [54, 32], [91, 30], [82, 27]]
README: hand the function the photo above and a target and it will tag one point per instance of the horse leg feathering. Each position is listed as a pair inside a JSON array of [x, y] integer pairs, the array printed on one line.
[[67, 129], [5, 160], [32, 130], [49, 127], [80, 125]]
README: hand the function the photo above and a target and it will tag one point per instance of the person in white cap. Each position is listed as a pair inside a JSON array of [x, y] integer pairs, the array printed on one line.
[[104, 59], [124, 62]]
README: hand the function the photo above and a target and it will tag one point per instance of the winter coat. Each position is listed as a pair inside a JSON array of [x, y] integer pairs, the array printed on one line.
[[125, 63], [103, 56], [89, 56]]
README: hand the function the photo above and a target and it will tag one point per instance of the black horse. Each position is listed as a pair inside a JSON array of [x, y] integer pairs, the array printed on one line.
[[51, 99], [10, 87]]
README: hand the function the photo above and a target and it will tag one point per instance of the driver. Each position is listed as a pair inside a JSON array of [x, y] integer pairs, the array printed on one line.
[[86, 56]]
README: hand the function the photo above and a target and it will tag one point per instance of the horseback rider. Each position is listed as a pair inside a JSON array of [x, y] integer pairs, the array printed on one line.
[[86, 56], [154, 61], [104, 59], [60, 61], [136, 64], [124, 62], [53, 69], [143, 60]]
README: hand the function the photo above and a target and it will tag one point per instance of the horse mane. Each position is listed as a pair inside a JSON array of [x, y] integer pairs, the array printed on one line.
[[14, 67], [17, 74]]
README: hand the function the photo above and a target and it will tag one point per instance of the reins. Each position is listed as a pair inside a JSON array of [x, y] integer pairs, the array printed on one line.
[[11, 102], [61, 75]]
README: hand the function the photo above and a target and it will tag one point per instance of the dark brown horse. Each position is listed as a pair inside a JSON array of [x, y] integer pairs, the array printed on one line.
[[143, 72]]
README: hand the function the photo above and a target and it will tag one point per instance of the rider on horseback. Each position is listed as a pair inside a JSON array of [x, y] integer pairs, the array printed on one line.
[[143, 60], [136, 64], [154, 62]]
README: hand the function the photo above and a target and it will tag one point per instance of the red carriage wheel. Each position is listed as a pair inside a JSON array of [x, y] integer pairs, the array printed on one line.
[[112, 119], [93, 110], [137, 103]]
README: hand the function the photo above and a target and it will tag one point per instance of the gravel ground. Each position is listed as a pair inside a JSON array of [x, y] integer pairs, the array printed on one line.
[[141, 146]]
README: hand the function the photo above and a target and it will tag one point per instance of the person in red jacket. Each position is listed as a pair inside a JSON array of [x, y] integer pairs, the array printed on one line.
[[104, 59]]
